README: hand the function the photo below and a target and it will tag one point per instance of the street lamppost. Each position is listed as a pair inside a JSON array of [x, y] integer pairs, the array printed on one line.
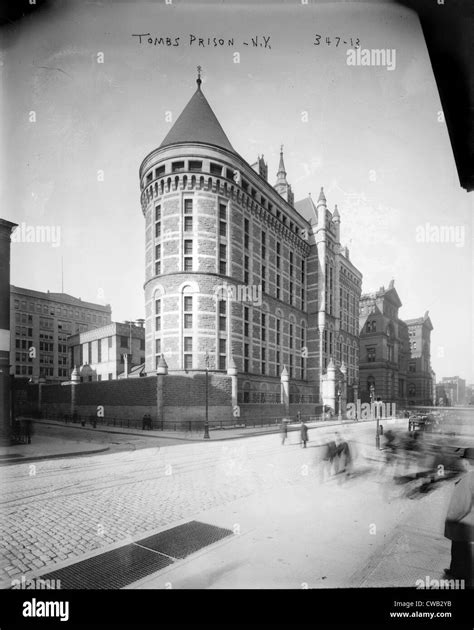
[[206, 421], [372, 399]]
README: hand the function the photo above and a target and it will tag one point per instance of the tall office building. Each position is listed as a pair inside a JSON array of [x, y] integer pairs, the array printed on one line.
[[41, 323]]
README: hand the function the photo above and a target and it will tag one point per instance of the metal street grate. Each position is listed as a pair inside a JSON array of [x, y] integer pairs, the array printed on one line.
[[110, 570], [183, 540]]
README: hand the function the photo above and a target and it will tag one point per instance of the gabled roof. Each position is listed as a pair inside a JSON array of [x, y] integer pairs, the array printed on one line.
[[197, 123]]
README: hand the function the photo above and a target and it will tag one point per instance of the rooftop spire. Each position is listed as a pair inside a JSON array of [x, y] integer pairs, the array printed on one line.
[[198, 80], [197, 123], [322, 197]]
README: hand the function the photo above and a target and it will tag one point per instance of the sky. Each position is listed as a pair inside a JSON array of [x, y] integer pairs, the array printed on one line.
[[84, 102]]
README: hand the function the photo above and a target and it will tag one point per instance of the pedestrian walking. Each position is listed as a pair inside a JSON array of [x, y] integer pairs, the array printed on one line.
[[304, 434], [459, 524], [283, 431]]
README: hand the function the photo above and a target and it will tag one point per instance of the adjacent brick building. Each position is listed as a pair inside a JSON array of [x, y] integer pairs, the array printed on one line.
[[394, 354], [237, 273], [41, 323]]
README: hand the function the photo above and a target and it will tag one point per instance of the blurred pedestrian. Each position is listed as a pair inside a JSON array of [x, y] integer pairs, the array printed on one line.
[[283, 430], [304, 434], [459, 524]]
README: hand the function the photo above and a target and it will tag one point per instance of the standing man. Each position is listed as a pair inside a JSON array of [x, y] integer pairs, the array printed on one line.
[[283, 430], [459, 525], [304, 434]]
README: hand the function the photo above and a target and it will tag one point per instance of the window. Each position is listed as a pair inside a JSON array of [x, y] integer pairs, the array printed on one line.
[[278, 332], [278, 363], [278, 286], [222, 354], [188, 311], [157, 260], [264, 282], [222, 220], [368, 327], [158, 346], [188, 212], [246, 357], [412, 367], [411, 389], [264, 359], [188, 253], [264, 323], [278, 261], [158, 229], [246, 233], [390, 352], [216, 169], [157, 314], [370, 355], [291, 293], [246, 321], [246, 269], [374, 326], [194, 165], [222, 315], [123, 344], [188, 350], [222, 259], [158, 213], [160, 171], [263, 248], [177, 167], [290, 340]]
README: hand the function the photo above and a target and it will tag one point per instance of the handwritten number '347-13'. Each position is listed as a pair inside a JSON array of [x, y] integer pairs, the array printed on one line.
[[317, 41]]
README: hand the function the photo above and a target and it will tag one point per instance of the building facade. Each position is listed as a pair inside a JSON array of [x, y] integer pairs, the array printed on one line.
[[109, 352], [384, 347], [237, 273], [395, 362], [6, 228], [420, 376], [41, 323], [452, 390]]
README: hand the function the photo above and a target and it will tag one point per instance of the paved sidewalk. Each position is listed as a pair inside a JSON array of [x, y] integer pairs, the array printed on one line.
[[43, 447], [232, 433]]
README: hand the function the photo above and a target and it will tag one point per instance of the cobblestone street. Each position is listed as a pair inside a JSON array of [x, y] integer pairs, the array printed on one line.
[[55, 511]]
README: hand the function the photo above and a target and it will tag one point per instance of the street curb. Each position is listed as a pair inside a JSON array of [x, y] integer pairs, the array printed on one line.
[[16, 460], [276, 430]]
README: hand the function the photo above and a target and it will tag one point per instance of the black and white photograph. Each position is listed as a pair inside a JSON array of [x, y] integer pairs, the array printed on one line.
[[236, 311]]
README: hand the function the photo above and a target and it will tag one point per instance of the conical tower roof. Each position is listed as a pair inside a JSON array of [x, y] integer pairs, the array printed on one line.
[[197, 123]]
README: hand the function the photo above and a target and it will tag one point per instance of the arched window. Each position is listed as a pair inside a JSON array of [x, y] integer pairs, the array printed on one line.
[[374, 326], [412, 389], [368, 327]]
